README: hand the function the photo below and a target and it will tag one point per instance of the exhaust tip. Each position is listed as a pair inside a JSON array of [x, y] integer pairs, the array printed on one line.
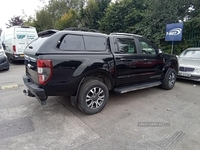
[[28, 93], [25, 92]]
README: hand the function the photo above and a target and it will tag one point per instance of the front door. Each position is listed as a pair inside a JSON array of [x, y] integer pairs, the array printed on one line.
[[150, 60]]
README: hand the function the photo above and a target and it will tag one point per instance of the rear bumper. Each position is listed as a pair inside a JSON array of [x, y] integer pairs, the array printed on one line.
[[17, 57], [34, 90], [4, 64]]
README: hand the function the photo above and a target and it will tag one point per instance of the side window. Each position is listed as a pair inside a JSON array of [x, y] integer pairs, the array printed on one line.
[[72, 42], [94, 43], [147, 48], [126, 45]]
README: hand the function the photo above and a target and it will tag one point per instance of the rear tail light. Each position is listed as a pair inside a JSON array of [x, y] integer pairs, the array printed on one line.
[[44, 70], [14, 48]]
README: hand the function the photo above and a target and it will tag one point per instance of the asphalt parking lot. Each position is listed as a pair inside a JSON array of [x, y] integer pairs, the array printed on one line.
[[153, 119]]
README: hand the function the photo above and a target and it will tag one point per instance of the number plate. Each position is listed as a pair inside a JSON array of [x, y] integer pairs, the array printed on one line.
[[21, 55], [185, 74]]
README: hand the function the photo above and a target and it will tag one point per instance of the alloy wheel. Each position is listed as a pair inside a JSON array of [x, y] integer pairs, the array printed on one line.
[[172, 79], [95, 98]]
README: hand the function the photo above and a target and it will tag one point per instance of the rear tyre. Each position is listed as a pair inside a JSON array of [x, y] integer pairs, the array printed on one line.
[[93, 97], [169, 79]]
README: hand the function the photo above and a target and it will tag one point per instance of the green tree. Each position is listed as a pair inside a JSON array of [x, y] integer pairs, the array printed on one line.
[[56, 8], [43, 20], [93, 13], [160, 13], [69, 19], [16, 20], [194, 9], [50, 15], [145, 17], [164, 12], [122, 15], [29, 21], [75, 4]]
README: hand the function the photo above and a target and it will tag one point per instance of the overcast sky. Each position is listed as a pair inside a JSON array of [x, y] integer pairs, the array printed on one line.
[[10, 8]]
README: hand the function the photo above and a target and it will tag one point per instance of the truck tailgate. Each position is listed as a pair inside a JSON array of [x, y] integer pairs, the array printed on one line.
[[31, 67]]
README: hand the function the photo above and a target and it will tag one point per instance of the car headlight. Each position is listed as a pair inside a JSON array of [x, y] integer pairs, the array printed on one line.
[[197, 70]]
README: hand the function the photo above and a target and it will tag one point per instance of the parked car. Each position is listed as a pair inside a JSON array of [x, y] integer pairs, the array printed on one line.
[[4, 64], [87, 65], [15, 39], [189, 64]]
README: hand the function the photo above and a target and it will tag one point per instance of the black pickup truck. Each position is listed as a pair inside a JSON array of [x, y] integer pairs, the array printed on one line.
[[87, 65]]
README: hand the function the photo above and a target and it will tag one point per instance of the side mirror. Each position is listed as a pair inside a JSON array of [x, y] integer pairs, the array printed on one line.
[[160, 51]]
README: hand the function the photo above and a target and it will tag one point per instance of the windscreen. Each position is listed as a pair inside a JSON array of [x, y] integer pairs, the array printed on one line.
[[191, 54]]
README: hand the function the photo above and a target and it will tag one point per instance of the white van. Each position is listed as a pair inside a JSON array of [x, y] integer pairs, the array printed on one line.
[[15, 39]]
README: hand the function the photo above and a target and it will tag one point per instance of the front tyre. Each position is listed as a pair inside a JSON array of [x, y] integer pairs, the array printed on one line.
[[169, 79], [93, 97]]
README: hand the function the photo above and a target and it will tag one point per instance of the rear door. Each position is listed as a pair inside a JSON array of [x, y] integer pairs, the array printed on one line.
[[20, 40], [24, 36], [31, 34], [128, 65]]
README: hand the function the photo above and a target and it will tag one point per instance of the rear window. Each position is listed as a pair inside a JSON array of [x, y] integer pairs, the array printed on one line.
[[72, 42], [33, 47], [35, 44], [80, 43], [26, 33], [93, 43], [38, 42]]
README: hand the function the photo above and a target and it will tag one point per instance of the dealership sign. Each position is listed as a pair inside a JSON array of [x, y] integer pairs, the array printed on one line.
[[174, 32]]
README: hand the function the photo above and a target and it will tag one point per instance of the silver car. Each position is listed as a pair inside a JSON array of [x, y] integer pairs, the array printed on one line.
[[189, 64]]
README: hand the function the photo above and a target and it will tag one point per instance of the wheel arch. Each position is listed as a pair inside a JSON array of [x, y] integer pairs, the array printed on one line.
[[173, 63], [100, 75]]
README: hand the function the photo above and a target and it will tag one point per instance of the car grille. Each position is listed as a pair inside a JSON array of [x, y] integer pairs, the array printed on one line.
[[186, 69]]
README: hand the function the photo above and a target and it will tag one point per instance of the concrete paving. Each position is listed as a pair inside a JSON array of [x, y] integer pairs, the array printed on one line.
[[150, 119]]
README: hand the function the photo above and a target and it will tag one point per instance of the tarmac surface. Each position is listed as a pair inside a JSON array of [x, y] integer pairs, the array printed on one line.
[[149, 119]]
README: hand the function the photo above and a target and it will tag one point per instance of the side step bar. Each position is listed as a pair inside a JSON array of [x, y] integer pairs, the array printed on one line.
[[135, 87]]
